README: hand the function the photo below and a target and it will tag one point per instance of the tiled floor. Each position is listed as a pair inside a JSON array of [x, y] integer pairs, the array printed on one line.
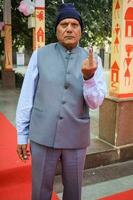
[[104, 181], [8, 102], [107, 188]]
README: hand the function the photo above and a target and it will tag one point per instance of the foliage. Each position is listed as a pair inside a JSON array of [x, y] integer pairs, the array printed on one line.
[[96, 17], [21, 35]]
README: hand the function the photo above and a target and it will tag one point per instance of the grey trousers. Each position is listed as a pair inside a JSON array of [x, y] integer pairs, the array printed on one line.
[[44, 162]]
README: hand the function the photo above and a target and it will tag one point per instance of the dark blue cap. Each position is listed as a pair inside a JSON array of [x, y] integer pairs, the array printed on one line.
[[67, 10]]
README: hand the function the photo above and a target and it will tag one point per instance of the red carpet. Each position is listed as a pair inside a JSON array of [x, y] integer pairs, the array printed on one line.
[[127, 195], [15, 176]]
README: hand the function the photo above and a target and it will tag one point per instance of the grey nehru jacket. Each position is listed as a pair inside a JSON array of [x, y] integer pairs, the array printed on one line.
[[60, 116]]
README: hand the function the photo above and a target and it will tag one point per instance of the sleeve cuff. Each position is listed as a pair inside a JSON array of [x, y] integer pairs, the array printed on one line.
[[22, 139], [89, 82]]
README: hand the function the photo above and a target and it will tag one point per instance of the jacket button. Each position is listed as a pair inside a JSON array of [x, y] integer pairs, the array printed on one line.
[[60, 118], [63, 102], [66, 87]]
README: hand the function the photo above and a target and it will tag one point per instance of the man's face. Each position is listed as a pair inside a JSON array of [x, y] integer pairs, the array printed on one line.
[[68, 32]]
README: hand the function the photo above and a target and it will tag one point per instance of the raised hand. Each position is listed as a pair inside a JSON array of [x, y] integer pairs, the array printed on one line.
[[89, 65]]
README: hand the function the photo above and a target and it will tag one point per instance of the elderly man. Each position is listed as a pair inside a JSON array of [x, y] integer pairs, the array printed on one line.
[[62, 82]]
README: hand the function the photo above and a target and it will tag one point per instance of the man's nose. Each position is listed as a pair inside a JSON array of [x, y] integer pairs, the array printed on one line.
[[69, 28]]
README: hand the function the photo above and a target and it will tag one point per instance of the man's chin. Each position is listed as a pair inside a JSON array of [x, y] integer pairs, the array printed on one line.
[[70, 45]]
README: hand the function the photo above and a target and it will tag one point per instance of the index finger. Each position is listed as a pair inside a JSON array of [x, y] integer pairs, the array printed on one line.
[[90, 56]]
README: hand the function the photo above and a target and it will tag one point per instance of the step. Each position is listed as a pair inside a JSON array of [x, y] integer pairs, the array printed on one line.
[[100, 153]]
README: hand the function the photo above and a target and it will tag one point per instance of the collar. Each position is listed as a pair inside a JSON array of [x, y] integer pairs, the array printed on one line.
[[72, 51]]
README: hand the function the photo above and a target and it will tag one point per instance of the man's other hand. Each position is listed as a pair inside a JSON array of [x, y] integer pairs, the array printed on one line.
[[23, 152]]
